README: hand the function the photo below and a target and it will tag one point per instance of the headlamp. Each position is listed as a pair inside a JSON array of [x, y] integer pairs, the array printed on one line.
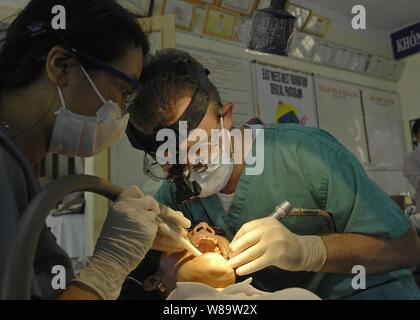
[[179, 174]]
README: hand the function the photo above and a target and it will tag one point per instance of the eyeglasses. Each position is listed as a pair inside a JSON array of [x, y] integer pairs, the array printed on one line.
[[198, 163], [128, 96], [152, 169]]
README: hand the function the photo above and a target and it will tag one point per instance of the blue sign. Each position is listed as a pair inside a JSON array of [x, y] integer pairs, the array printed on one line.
[[406, 42]]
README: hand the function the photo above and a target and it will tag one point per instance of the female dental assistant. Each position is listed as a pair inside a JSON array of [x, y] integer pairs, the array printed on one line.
[[63, 91]]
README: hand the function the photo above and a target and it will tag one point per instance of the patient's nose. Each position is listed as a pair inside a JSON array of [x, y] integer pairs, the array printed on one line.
[[203, 227]]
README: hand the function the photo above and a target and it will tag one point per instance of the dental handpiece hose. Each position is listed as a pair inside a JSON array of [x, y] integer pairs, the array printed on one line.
[[286, 209]]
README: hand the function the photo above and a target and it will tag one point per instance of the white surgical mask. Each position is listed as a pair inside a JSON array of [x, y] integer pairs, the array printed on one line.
[[84, 136], [216, 177]]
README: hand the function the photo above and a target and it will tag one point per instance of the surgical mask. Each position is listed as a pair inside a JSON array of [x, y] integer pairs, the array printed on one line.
[[85, 136], [219, 171]]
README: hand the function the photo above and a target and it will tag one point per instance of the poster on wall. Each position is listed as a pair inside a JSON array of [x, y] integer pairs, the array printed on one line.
[[285, 96], [384, 128], [231, 76], [340, 113]]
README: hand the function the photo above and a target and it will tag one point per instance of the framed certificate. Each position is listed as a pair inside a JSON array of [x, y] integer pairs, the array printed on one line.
[[322, 52], [160, 30], [317, 25], [341, 57], [141, 8], [219, 23], [245, 7], [184, 12], [358, 61], [211, 2], [376, 66], [302, 14]]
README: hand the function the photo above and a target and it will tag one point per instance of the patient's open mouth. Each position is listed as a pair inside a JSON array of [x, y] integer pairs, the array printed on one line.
[[205, 239], [207, 244]]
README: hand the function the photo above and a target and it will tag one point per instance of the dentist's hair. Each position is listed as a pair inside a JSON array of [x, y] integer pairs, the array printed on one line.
[[165, 82], [101, 28]]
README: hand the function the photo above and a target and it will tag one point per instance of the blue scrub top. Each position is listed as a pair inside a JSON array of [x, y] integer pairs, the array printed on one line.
[[18, 186], [311, 169]]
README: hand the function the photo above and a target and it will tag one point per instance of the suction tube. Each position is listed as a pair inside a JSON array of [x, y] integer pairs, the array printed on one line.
[[16, 282]]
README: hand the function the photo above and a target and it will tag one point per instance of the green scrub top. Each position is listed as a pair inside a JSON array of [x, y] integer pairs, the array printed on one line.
[[309, 168]]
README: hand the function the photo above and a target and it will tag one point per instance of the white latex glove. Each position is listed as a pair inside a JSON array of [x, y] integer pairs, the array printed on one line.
[[128, 233], [177, 222], [266, 242]]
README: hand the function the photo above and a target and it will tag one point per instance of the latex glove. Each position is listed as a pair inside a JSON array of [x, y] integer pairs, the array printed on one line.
[[127, 235], [177, 222], [267, 242]]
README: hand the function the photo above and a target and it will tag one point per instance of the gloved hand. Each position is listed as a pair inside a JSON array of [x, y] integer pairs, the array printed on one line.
[[128, 233], [176, 221], [266, 242]]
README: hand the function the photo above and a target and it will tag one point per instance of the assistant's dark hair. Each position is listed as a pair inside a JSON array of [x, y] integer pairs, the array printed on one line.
[[165, 83], [416, 127], [101, 28]]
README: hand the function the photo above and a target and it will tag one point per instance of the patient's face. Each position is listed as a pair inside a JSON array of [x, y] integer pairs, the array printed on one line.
[[212, 268], [206, 240]]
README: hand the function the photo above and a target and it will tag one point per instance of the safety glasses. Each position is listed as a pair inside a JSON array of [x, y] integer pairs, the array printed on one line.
[[199, 163], [152, 169], [134, 83]]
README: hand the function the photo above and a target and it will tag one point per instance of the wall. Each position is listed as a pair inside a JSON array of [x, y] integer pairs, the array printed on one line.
[[14, 3], [6, 12], [206, 43], [371, 41]]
